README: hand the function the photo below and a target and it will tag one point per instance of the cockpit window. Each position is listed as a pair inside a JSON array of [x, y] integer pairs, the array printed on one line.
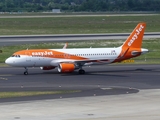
[[16, 56]]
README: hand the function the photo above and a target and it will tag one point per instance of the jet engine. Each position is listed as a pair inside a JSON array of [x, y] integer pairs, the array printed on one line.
[[66, 67], [47, 67]]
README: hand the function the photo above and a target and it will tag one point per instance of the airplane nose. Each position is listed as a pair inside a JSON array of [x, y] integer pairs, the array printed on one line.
[[8, 61]]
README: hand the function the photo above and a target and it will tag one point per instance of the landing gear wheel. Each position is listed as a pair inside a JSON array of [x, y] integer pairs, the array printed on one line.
[[81, 72], [25, 73]]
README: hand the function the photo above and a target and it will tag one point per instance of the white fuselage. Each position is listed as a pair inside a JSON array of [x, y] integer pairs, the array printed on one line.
[[32, 59]]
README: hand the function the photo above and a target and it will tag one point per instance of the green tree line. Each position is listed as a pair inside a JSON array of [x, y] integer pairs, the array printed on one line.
[[78, 5]]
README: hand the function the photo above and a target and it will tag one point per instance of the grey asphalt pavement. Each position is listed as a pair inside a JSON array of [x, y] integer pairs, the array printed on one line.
[[108, 92]]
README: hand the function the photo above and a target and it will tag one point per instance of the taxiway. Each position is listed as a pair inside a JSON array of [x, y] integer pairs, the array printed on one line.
[[108, 92], [120, 78]]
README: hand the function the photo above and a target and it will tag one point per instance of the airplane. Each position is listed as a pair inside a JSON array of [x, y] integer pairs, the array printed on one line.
[[68, 60]]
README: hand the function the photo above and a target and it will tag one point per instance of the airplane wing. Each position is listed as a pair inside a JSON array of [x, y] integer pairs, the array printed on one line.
[[81, 62]]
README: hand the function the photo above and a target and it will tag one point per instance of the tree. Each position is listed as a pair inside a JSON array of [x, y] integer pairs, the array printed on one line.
[[80, 5]]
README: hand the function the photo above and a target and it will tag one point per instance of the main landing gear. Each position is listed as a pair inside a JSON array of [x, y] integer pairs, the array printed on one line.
[[26, 71], [81, 71]]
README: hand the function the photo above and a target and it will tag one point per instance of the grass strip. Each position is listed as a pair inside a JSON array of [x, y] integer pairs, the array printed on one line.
[[34, 93], [76, 25]]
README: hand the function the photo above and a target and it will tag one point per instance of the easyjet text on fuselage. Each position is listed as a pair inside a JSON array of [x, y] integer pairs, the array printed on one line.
[[45, 53]]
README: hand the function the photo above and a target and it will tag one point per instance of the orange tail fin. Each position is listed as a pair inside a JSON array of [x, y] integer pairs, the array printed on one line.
[[132, 46], [136, 37]]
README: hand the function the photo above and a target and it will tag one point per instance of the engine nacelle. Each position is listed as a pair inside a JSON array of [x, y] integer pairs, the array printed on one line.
[[66, 67], [47, 67]]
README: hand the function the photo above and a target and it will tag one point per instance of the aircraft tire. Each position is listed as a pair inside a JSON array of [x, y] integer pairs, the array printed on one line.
[[25, 73], [81, 71]]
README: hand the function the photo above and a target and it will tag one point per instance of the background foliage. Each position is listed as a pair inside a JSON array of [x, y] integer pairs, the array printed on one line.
[[78, 5]]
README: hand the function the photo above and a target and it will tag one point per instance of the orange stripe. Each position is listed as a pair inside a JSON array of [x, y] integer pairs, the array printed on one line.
[[49, 54]]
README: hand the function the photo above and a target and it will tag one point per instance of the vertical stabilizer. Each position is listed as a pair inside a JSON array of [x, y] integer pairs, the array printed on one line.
[[132, 46], [136, 37]]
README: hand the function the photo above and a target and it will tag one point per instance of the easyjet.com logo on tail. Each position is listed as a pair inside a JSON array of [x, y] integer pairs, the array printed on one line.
[[135, 36]]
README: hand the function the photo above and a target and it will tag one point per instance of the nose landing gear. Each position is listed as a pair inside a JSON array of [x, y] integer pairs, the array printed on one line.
[[26, 71]]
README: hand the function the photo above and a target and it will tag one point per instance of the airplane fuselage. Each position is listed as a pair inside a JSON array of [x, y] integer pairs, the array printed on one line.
[[52, 57]]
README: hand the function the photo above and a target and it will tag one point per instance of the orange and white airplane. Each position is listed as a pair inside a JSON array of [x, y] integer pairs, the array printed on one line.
[[68, 60]]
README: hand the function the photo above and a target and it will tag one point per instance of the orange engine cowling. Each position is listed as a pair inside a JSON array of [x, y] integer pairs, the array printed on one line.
[[47, 67], [66, 67]]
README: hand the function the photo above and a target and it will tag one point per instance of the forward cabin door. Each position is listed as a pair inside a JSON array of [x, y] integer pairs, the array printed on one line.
[[28, 57], [30, 62]]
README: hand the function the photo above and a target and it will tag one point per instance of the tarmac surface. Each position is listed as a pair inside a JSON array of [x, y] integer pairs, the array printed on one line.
[[108, 92]]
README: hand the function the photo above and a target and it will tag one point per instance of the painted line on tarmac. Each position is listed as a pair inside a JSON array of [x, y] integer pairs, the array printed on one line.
[[1, 75], [2, 78]]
